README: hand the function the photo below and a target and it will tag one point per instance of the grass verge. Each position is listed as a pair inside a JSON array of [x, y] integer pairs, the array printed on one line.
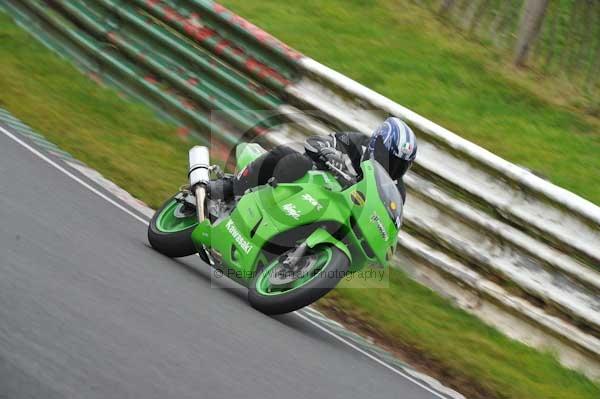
[[402, 51], [449, 344], [123, 140], [126, 143]]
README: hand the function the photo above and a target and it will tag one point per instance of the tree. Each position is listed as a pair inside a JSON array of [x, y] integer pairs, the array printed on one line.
[[445, 7], [530, 24], [478, 14], [502, 20]]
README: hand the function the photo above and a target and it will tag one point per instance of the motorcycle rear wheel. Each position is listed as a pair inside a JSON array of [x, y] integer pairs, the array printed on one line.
[[329, 266], [170, 230]]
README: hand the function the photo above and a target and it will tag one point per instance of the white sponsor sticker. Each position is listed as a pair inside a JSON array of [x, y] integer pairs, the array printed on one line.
[[291, 211], [311, 200], [237, 236], [375, 219]]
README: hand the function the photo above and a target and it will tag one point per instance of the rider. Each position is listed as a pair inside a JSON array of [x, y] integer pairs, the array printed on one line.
[[393, 144]]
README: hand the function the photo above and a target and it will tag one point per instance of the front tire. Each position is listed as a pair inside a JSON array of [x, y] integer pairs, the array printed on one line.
[[331, 266], [170, 230]]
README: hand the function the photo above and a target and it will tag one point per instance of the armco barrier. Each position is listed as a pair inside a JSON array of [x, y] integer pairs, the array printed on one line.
[[519, 252]]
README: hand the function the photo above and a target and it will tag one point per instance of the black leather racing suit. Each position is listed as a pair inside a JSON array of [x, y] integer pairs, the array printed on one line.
[[286, 164], [351, 144]]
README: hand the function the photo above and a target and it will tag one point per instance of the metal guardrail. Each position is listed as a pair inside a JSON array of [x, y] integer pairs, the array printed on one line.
[[508, 246]]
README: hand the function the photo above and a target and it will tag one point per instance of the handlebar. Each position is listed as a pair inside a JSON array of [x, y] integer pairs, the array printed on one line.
[[347, 180]]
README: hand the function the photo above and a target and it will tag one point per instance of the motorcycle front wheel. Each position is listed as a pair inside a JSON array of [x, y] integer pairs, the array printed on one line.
[[284, 287], [170, 230]]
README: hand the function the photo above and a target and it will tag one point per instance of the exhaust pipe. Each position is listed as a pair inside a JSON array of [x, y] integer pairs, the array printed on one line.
[[199, 176]]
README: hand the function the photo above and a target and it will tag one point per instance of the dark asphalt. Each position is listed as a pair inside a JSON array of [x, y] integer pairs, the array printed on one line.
[[88, 310]]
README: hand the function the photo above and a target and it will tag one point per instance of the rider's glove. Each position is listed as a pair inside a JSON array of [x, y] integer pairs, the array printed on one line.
[[338, 160]]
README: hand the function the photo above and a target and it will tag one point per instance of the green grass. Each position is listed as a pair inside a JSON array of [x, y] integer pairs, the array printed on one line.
[[457, 347], [403, 52], [126, 143]]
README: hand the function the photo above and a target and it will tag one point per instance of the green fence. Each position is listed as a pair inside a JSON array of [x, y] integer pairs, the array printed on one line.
[[185, 64]]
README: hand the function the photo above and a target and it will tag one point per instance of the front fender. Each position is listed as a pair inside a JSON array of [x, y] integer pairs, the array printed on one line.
[[322, 236]]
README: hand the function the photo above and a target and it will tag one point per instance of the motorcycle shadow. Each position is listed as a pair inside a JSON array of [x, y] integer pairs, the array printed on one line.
[[209, 277], [202, 271]]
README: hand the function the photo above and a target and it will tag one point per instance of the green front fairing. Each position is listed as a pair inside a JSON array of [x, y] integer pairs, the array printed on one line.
[[316, 200], [382, 237]]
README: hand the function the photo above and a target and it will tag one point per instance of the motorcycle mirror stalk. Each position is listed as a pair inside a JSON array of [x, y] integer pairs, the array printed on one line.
[[199, 176]]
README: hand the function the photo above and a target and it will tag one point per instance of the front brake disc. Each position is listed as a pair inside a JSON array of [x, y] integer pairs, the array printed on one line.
[[285, 274]]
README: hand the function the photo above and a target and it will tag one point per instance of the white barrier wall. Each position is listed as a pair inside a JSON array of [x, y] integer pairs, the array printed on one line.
[[518, 251]]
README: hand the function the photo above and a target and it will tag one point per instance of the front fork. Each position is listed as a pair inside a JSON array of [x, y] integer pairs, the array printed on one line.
[[200, 193]]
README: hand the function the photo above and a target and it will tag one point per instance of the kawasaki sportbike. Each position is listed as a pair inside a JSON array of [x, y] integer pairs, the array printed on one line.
[[289, 243]]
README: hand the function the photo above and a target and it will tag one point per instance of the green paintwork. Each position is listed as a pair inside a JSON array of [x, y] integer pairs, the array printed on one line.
[[322, 236], [316, 199]]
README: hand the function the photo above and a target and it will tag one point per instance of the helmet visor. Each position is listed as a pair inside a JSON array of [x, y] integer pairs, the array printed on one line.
[[395, 166]]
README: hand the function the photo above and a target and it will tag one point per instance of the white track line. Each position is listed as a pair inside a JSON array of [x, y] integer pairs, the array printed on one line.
[[372, 357], [145, 221]]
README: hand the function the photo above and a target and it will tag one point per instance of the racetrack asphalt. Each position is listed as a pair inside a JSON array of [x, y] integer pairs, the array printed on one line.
[[89, 310]]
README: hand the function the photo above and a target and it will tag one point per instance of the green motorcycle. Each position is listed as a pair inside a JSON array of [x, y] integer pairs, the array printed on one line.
[[289, 243]]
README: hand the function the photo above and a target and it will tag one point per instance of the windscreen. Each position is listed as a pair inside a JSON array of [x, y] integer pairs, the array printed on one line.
[[388, 192]]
